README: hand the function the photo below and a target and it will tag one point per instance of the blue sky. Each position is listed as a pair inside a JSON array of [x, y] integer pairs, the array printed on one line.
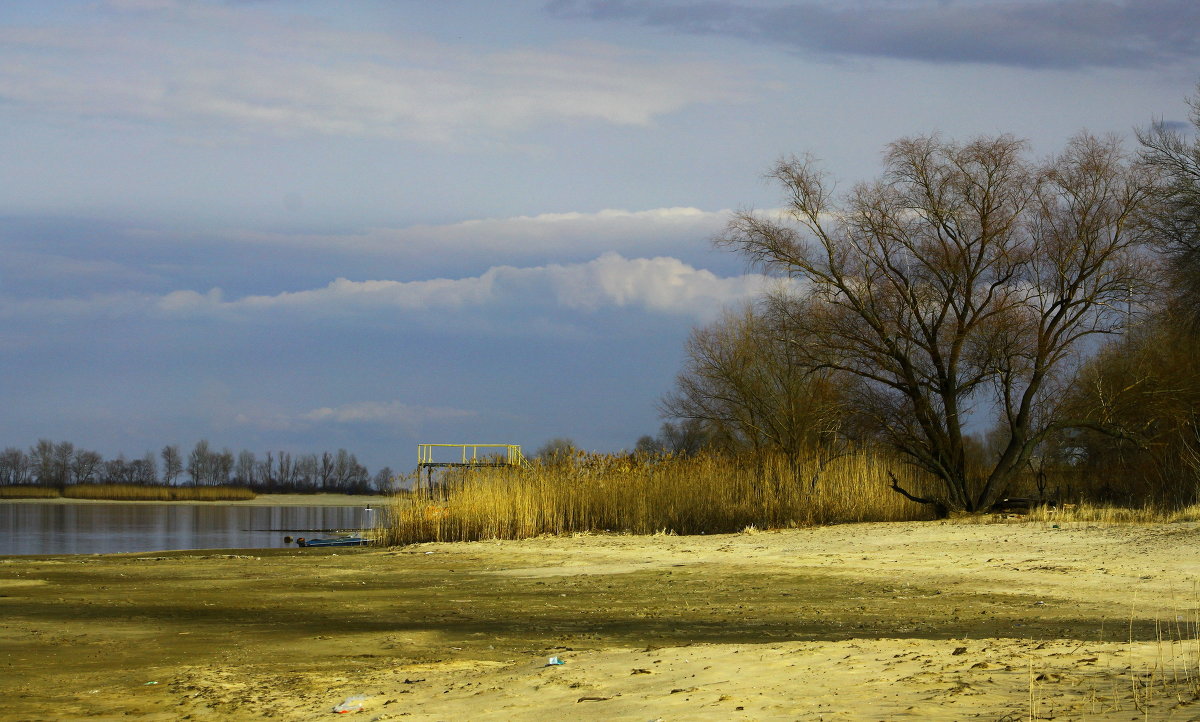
[[368, 224]]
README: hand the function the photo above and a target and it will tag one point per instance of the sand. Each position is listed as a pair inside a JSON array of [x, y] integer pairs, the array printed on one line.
[[864, 621]]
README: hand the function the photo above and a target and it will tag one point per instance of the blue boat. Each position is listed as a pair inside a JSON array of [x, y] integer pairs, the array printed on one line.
[[341, 541]]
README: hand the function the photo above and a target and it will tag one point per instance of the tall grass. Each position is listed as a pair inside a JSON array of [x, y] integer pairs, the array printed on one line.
[[135, 492], [701, 494], [28, 491], [129, 492], [1109, 514]]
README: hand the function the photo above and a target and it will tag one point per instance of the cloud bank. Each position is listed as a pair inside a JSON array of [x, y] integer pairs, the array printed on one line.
[[140, 62], [661, 285], [1022, 33]]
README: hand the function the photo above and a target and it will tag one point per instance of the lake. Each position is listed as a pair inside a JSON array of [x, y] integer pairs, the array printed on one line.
[[35, 528]]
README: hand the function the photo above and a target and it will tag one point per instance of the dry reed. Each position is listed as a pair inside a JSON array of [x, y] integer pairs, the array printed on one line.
[[702, 494], [135, 492], [1114, 515], [25, 491]]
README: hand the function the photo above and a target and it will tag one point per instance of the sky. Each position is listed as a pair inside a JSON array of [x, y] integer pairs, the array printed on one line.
[[304, 226]]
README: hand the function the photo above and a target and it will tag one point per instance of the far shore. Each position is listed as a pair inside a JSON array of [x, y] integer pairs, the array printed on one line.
[[260, 500]]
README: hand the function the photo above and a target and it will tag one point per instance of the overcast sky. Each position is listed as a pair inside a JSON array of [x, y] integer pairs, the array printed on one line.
[[367, 224]]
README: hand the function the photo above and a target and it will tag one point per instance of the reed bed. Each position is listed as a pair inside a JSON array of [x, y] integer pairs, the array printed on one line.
[[1112, 515], [26, 491], [135, 492], [682, 495]]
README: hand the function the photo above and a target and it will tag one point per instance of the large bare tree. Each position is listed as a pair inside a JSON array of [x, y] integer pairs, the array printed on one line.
[[962, 281]]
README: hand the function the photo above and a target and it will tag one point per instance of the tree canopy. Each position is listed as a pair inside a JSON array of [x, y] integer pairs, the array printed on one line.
[[963, 281]]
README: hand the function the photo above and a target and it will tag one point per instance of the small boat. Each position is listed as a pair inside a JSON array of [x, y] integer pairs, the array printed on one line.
[[341, 541]]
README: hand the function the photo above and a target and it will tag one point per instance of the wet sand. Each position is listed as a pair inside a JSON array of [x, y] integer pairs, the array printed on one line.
[[865, 621]]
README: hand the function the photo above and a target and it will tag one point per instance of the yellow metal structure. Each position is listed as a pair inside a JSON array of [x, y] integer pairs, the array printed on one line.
[[469, 455]]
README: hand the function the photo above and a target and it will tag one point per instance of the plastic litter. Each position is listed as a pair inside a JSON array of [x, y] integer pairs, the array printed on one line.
[[351, 704], [149, 683], [554, 662]]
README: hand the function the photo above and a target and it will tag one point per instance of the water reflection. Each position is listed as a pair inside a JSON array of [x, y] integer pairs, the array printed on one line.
[[32, 528]]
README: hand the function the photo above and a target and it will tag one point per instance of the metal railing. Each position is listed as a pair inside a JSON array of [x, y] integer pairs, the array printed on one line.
[[469, 455]]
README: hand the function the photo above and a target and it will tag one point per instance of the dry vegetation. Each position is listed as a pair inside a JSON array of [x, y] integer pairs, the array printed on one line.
[[24, 491], [707, 493], [129, 492], [1107, 514], [711, 493]]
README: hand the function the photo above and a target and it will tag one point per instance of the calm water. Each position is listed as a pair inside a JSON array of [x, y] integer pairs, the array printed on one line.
[[31, 528]]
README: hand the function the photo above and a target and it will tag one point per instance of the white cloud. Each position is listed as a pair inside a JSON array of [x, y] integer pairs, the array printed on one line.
[[665, 285], [661, 285], [207, 69], [183, 301]]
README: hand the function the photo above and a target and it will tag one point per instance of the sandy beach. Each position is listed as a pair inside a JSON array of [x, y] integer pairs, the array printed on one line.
[[923, 620]]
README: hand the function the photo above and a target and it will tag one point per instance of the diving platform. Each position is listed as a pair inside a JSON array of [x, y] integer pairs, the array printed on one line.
[[435, 456]]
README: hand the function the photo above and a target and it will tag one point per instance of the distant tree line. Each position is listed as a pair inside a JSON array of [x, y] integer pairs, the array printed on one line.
[[993, 320], [48, 463]]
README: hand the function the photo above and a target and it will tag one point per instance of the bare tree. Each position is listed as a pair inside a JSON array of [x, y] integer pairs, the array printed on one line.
[[966, 275], [266, 472], [150, 468], [383, 481], [51, 462], [360, 478], [14, 466], [201, 464], [325, 472], [172, 464], [64, 453], [749, 382], [556, 450], [688, 437], [246, 468], [647, 446], [285, 470], [144, 470], [117, 471], [1175, 213], [1147, 388], [308, 471], [86, 466], [222, 465], [41, 461], [1148, 385]]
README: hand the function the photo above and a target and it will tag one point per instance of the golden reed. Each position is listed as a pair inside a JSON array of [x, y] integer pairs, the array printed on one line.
[[129, 492], [707, 493]]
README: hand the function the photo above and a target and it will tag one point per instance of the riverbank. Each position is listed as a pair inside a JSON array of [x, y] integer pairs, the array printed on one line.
[[921, 620], [260, 500]]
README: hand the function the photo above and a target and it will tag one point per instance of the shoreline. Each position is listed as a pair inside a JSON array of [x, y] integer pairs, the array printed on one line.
[[260, 500]]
